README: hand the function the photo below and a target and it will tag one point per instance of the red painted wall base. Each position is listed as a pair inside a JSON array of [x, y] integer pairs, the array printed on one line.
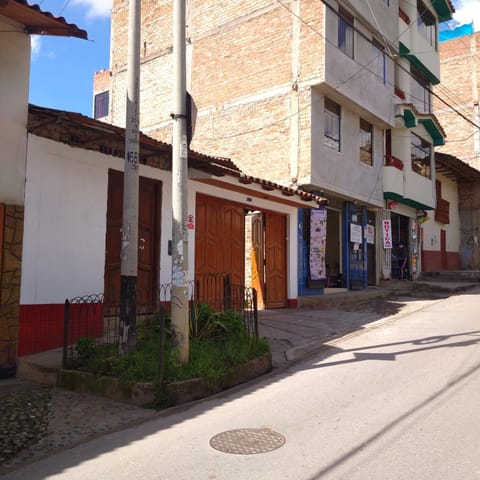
[[432, 261], [292, 303]]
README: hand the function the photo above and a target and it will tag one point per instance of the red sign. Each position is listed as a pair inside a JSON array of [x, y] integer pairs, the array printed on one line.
[[190, 222]]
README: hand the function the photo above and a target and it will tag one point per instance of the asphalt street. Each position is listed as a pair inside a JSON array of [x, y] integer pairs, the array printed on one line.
[[399, 401]]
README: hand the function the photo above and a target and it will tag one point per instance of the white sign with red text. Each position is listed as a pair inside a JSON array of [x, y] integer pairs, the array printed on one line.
[[387, 234]]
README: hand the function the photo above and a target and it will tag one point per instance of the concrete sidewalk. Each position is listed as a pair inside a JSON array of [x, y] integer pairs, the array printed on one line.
[[295, 334]]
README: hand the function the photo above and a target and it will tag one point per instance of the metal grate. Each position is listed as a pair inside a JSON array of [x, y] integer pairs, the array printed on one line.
[[247, 441]]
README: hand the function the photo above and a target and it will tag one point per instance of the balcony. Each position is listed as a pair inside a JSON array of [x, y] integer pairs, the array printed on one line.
[[391, 161], [393, 178]]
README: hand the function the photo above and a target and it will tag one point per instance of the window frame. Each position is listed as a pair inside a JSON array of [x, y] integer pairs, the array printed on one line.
[[101, 104], [366, 146], [420, 91], [419, 163], [332, 136], [427, 24], [346, 32]]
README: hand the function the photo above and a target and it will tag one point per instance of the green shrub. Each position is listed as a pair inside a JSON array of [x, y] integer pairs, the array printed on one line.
[[219, 341]]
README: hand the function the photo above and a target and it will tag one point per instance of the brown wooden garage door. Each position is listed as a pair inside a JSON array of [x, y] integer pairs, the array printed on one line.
[[220, 246], [219, 238]]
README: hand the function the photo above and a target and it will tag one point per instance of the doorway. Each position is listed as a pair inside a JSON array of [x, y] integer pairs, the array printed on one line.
[[333, 250], [148, 240], [400, 251], [248, 246]]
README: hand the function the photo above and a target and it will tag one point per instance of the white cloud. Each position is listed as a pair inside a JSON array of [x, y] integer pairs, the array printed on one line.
[[467, 11], [95, 8], [36, 45]]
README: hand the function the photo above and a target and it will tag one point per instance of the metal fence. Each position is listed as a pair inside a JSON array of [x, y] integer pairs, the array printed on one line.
[[91, 317]]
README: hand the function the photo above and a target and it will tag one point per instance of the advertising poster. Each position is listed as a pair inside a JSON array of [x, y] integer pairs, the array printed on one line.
[[318, 240]]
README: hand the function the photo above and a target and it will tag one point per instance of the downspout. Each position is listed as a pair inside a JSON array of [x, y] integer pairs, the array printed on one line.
[[294, 94]]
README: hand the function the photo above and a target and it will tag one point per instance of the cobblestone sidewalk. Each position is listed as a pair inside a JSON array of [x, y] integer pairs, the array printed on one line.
[[36, 420]]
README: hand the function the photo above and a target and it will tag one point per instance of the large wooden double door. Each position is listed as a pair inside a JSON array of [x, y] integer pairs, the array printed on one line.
[[149, 222], [220, 247]]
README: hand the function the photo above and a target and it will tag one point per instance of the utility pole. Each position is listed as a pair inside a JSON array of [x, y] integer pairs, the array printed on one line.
[[129, 253], [179, 300]]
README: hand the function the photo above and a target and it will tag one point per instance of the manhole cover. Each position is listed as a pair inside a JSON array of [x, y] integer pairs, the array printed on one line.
[[247, 441]]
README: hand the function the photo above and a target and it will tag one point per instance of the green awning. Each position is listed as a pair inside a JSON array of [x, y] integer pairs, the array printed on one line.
[[433, 130], [407, 201], [405, 52], [443, 10]]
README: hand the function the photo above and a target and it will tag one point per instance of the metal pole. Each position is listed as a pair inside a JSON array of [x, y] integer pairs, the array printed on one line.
[[129, 254], [180, 322]]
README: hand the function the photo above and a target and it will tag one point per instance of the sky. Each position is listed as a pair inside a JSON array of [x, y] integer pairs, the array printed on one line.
[[62, 68]]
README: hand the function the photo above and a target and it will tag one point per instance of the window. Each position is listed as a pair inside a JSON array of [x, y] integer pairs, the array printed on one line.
[[426, 24], [379, 61], [442, 209], [101, 105], [332, 124], [420, 91], [366, 137], [421, 153], [345, 32]]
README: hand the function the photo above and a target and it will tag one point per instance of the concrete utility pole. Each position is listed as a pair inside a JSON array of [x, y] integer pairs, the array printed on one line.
[[129, 254], [180, 321]]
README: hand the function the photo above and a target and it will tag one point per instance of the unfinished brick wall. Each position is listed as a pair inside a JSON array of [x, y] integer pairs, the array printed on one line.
[[460, 87], [251, 66]]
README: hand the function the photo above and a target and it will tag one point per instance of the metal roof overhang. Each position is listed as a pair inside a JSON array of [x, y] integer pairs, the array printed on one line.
[[38, 22]]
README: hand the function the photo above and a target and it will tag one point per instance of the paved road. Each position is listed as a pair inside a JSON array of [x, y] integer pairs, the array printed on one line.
[[397, 402]]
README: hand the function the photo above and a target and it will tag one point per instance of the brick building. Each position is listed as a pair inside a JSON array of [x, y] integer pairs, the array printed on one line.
[[460, 88], [330, 97]]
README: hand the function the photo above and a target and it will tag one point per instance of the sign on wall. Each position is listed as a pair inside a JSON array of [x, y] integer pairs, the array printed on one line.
[[370, 234], [387, 234], [355, 233], [318, 240]]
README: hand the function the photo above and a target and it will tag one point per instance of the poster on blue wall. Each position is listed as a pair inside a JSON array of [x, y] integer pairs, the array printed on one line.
[[318, 240]]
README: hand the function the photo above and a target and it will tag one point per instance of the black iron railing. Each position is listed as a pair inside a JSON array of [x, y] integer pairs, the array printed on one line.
[[91, 317]]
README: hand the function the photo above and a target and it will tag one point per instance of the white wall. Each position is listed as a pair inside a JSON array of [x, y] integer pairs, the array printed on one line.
[[65, 221], [355, 78], [416, 42], [342, 172], [431, 228], [14, 85]]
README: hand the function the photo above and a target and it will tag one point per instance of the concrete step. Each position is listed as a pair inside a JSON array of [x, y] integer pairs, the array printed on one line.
[[335, 299], [43, 367], [451, 276]]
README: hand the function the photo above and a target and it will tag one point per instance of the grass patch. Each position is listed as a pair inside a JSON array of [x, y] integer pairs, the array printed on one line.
[[218, 343]]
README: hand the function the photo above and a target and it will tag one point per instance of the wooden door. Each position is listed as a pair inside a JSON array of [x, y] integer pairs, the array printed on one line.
[[219, 244], [258, 258], [443, 250], [275, 260], [148, 235]]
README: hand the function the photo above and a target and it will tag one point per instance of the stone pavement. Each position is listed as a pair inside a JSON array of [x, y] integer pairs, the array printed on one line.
[[37, 420]]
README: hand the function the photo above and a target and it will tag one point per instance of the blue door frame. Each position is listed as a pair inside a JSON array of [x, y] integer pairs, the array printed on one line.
[[354, 260]]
